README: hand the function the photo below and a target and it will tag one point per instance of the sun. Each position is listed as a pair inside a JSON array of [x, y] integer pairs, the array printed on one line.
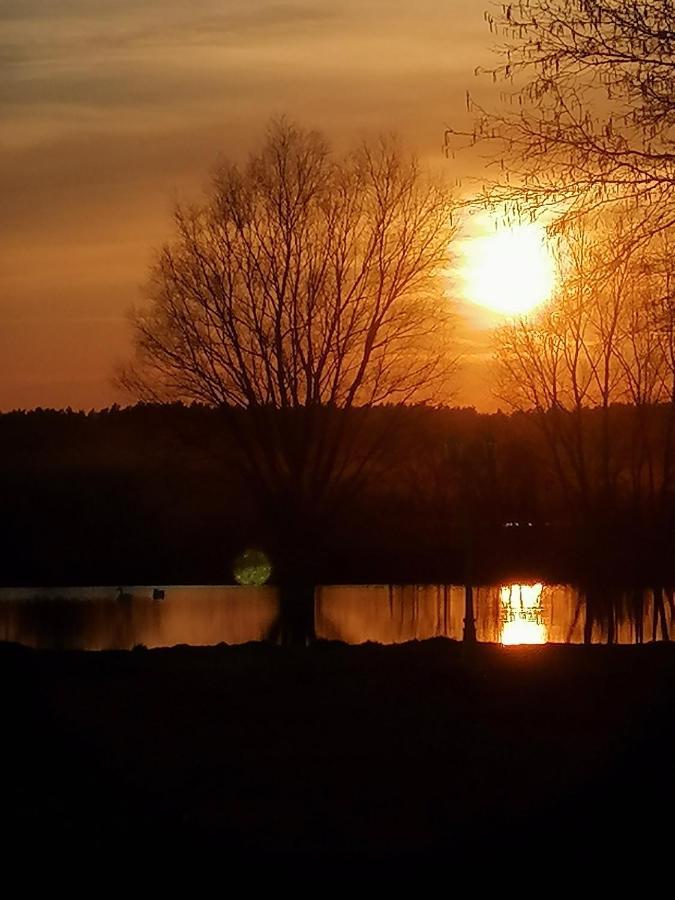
[[510, 271]]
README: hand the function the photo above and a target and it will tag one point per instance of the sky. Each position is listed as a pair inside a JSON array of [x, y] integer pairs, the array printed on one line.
[[111, 110]]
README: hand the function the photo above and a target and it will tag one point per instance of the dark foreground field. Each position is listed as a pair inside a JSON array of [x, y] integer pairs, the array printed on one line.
[[372, 753]]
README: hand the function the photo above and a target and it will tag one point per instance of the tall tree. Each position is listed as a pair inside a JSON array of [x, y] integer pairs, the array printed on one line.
[[604, 339], [306, 285], [590, 86]]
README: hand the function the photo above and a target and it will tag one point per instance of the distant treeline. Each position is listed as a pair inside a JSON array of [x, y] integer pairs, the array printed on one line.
[[153, 494]]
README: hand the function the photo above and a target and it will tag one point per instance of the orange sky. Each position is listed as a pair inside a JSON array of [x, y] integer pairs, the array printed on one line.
[[114, 108]]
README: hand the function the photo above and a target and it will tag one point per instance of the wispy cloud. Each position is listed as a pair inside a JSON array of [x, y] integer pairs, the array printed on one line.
[[110, 107]]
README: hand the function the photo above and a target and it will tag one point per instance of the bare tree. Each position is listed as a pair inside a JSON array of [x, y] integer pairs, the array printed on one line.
[[604, 339], [586, 132], [591, 111], [304, 288]]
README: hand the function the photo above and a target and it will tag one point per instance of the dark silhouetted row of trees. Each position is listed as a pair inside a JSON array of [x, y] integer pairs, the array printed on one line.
[[154, 493]]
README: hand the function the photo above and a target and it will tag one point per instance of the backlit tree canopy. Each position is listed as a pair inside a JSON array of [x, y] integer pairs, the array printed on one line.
[[592, 104], [607, 338], [305, 278], [307, 286]]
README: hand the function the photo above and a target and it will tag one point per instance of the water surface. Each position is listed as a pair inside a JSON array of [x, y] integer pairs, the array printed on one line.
[[96, 618]]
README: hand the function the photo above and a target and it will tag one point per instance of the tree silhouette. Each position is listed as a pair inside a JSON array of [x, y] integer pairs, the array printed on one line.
[[305, 286], [590, 91], [604, 339]]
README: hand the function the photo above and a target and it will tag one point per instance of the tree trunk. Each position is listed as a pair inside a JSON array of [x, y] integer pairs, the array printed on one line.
[[295, 624]]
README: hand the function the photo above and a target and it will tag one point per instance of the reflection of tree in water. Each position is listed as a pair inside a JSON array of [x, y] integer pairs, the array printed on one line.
[[58, 624], [389, 614], [593, 613], [612, 614], [294, 623], [64, 623], [522, 614], [513, 613], [442, 610], [420, 612]]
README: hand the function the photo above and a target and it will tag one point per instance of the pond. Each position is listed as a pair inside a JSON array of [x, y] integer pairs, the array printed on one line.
[[96, 618]]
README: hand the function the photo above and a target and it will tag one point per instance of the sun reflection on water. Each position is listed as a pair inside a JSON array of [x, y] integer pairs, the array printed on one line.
[[522, 614]]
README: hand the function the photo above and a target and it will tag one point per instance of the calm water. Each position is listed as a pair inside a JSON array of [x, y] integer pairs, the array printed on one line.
[[98, 618]]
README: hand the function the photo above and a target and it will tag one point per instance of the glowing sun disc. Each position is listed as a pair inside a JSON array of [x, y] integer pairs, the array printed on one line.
[[510, 271]]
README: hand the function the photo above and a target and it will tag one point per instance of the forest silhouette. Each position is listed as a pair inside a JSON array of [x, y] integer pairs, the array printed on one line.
[[154, 493]]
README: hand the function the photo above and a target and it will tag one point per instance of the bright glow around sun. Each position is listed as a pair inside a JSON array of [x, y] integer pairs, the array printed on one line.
[[510, 271], [522, 614]]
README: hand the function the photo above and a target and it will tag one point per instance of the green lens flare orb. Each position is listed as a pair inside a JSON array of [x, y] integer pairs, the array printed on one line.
[[252, 567]]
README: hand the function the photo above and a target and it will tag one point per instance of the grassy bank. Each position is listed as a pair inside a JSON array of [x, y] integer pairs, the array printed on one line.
[[370, 752]]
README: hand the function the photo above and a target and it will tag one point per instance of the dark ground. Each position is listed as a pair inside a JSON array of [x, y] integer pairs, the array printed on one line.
[[342, 755]]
